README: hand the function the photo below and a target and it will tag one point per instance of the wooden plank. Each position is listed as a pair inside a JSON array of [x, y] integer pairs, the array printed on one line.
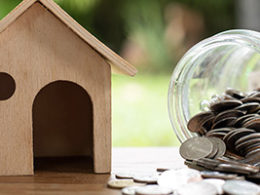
[[50, 52], [120, 64]]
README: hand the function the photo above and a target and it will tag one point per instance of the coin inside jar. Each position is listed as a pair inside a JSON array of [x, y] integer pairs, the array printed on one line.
[[233, 128], [195, 122]]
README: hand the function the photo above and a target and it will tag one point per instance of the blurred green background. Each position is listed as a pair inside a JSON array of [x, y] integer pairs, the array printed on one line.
[[152, 35]]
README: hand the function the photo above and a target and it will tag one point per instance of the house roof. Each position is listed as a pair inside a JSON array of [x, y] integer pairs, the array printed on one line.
[[117, 63]]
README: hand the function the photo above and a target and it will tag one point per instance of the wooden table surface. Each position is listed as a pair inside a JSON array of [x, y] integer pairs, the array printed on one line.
[[49, 180]]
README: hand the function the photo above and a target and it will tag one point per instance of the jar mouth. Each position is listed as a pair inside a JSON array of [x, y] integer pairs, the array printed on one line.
[[210, 67]]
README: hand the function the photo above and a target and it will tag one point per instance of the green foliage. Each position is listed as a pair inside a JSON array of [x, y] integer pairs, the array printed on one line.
[[7, 6], [79, 6], [144, 22], [139, 111]]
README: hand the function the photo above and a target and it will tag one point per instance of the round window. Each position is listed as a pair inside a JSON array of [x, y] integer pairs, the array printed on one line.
[[7, 86]]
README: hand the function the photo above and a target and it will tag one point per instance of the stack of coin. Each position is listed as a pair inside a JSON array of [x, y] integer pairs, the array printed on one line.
[[228, 135]]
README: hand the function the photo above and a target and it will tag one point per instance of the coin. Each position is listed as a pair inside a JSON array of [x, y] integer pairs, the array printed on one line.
[[130, 190], [252, 147], [218, 183], [254, 94], [253, 124], [201, 188], [122, 183], [233, 156], [250, 99], [219, 175], [195, 122], [239, 163], [153, 190], [231, 137], [213, 133], [234, 122], [235, 93], [195, 148], [220, 145], [248, 107], [215, 148], [247, 137], [149, 179], [241, 187], [239, 121], [175, 178], [224, 105], [220, 132], [253, 152], [235, 168], [193, 165], [228, 113], [207, 163], [206, 125], [244, 146], [225, 122], [124, 175]]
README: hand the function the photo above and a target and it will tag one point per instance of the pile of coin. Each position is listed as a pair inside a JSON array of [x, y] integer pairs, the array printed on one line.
[[184, 181], [228, 135], [223, 159]]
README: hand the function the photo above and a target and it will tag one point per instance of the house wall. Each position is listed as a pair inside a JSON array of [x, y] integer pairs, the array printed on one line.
[[35, 50]]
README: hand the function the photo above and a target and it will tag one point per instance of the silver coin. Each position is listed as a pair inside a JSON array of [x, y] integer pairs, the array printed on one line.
[[241, 187], [218, 183], [201, 188], [207, 163], [235, 168], [220, 145], [130, 190], [148, 179], [124, 175], [239, 163], [153, 190], [196, 148], [122, 183], [219, 175], [175, 178]]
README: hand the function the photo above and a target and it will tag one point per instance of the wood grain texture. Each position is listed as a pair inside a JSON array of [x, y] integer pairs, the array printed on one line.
[[119, 64], [50, 182], [38, 49]]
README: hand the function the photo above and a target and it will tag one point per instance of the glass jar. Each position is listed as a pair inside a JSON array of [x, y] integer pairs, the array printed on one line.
[[230, 59]]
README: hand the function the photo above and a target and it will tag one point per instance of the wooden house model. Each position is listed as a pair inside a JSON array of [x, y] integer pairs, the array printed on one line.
[[55, 89]]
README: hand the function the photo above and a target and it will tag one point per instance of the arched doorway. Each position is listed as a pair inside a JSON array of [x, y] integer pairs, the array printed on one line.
[[62, 126]]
